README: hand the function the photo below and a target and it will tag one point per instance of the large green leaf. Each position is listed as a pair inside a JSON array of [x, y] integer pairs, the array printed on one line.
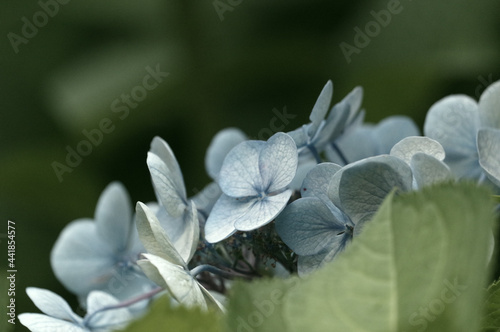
[[162, 317], [491, 313], [420, 264]]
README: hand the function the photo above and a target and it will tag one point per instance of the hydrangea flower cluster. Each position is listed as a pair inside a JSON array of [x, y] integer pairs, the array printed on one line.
[[286, 205]]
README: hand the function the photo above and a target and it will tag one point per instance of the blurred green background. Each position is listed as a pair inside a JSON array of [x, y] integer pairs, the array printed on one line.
[[230, 68]]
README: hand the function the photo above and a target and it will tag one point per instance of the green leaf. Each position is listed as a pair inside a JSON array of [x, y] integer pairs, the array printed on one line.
[[420, 264], [162, 317], [491, 313]]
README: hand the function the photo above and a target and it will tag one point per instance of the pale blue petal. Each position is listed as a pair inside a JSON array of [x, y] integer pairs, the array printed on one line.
[[161, 149], [489, 106], [309, 227], [392, 130], [240, 172], [300, 137], [42, 323], [113, 319], [219, 147], [304, 166], [80, 260], [428, 170], [220, 222], [168, 185], [364, 185], [488, 143], [52, 304], [357, 144], [409, 146], [354, 100], [262, 211], [153, 236], [183, 287], [453, 121], [278, 163], [206, 198], [320, 108], [317, 181], [113, 216], [334, 125]]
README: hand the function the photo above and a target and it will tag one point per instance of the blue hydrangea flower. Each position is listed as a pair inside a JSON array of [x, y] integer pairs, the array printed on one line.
[[369, 140], [165, 265], [336, 202], [58, 317], [100, 254], [469, 132], [312, 138], [425, 157], [254, 179]]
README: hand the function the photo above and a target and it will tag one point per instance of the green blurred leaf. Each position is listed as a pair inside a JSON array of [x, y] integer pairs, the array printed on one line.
[[162, 317], [491, 313], [419, 265]]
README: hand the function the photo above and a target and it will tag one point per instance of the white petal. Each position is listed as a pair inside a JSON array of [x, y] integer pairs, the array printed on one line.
[[320, 108], [183, 287], [278, 162], [428, 170], [219, 147], [42, 323], [489, 106], [220, 222], [260, 212], [114, 318], [80, 259], [488, 141], [318, 179], [113, 216], [153, 236], [52, 304], [240, 173], [168, 185], [409, 146]]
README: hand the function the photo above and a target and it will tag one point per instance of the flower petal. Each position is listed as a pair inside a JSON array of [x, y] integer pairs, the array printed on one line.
[[392, 130], [219, 147], [308, 264], [259, 212], [153, 236], [205, 199], [489, 106], [364, 185], [239, 174], [80, 260], [52, 304], [42, 323], [453, 121], [317, 181], [320, 108], [309, 227], [220, 222], [428, 170], [488, 143], [113, 216], [278, 162], [183, 287], [409, 146], [115, 318]]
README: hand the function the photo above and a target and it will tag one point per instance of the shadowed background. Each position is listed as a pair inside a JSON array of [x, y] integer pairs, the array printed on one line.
[[229, 66]]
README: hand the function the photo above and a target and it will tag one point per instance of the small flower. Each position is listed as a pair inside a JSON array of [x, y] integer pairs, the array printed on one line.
[[100, 254], [254, 179], [58, 316], [369, 140], [469, 133], [166, 266], [336, 203]]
